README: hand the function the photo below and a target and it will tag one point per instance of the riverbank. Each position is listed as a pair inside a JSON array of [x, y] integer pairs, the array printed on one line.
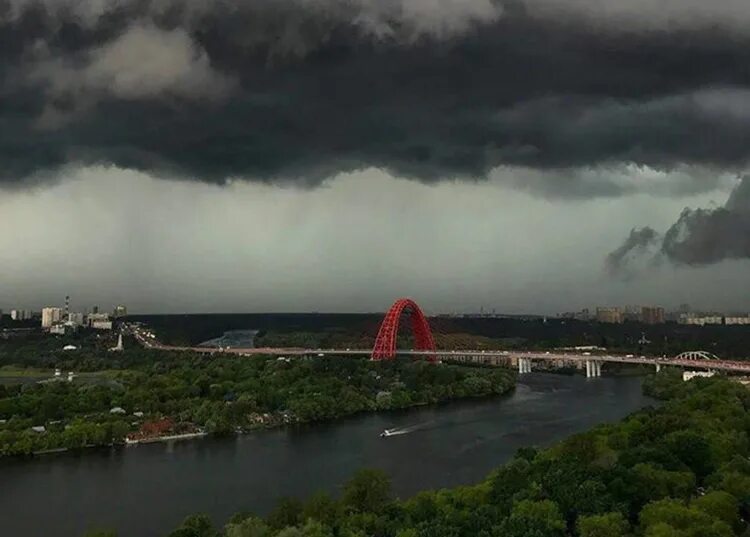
[[166, 438], [155, 486], [174, 395], [661, 472]]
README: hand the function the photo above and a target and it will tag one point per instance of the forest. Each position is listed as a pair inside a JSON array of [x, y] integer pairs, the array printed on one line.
[[680, 469], [115, 394]]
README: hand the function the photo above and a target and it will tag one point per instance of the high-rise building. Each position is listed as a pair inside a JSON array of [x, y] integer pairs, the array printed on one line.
[[51, 316], [631, 313], [119, 311], [20, 315], [609, 315], [652, 315]]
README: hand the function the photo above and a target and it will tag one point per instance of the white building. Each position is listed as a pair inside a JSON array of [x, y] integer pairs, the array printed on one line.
[[20, 315], [99, 321], [689, 318], [743, 320], [58, 329], [97, 317], [688, 375], [51, 316]]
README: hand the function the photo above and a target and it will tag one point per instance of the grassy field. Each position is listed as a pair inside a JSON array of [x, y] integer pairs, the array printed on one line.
[[10, 371]]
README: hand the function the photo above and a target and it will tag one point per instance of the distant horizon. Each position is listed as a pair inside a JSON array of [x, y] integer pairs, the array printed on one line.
[[558, 314]]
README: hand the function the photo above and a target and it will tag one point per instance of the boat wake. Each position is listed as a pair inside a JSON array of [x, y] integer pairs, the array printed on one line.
[[396, 431]]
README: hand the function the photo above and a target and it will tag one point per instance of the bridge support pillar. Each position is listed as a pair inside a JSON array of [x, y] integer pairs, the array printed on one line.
[[593, 368], [524, 365], [658, 367]]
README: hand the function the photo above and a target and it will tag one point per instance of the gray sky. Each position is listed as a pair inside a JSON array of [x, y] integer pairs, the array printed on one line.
[[332, 155], [106, 235]]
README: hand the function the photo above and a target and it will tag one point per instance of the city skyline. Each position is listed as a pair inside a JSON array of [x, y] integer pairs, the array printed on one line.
[[332, 156]]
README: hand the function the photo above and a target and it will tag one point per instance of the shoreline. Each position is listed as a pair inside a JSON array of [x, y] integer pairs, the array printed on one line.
[[244, 431], [166, 438]]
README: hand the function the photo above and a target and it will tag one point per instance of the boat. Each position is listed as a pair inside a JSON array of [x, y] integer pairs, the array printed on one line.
[[387, 432]]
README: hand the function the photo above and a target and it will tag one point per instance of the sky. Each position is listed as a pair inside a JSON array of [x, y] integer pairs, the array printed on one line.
[[527, 156]]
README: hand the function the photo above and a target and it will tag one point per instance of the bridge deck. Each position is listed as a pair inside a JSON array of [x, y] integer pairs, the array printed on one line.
[[490, 357]]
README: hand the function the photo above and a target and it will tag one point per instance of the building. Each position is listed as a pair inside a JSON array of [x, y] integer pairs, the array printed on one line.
[[632, 313], [609, 315], [120, 347], [119, 311], [57, 329], [20, 315], [76, 319], [99, 321], [689, 375], [96, 317], [737, 319], [652, 315], [700, 320], [51, 316]]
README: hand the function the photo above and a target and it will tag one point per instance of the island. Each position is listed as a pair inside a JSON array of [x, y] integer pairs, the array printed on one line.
[[53, 399]]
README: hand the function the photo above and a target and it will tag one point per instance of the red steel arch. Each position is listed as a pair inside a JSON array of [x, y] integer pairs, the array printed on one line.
[[385, 343]]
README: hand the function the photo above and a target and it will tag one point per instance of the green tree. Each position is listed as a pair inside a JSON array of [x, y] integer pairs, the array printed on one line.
[[249, 527], [313, 528], [534, 519], [195, 526], [606, 525], [693, 522], [368, 491], [720, 505], [288, 512], [321, 507]]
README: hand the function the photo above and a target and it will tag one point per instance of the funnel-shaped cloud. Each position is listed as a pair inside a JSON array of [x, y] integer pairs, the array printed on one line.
[[698, 237]]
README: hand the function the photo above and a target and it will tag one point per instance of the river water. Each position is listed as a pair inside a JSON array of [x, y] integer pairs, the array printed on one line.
[[147, 490]]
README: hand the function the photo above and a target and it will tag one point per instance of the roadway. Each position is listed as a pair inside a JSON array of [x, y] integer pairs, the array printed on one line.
[[148, 340]]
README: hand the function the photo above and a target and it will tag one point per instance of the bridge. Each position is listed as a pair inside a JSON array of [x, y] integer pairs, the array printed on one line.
[[385, 349]]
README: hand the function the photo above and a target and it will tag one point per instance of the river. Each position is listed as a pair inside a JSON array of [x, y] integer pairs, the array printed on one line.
[[145, 491]]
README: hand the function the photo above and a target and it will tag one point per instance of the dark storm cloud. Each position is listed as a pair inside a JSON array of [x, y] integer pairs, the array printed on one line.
[[635, 245], [698, 237], [704, 236], [297, 90]]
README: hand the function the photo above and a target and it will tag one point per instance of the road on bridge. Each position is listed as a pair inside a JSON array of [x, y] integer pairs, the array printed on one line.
[[148, 340]]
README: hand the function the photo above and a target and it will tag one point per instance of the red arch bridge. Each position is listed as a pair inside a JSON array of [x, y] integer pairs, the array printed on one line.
[[385, 349]]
